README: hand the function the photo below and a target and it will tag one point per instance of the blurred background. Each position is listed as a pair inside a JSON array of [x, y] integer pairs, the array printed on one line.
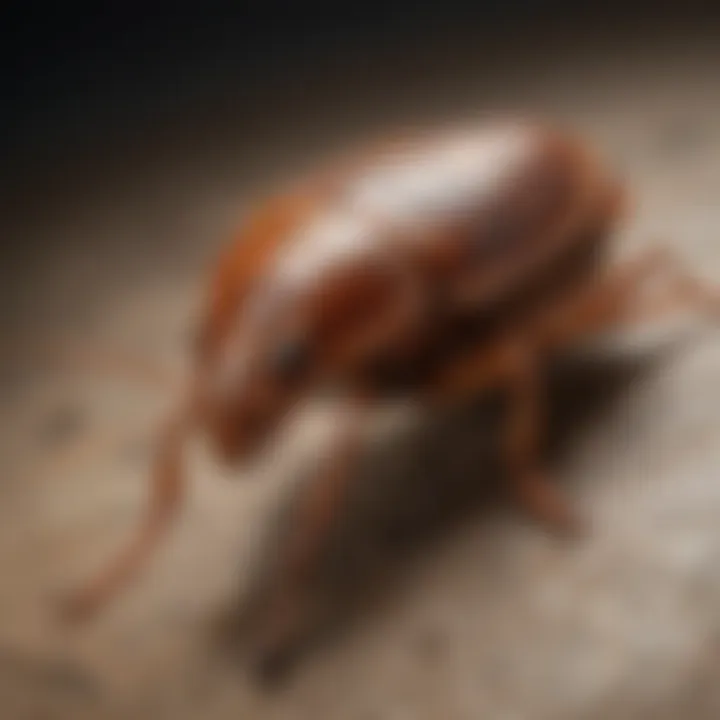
[[134, 137]]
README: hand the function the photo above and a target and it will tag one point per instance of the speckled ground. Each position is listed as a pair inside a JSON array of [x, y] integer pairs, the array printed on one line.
[[465, 610]]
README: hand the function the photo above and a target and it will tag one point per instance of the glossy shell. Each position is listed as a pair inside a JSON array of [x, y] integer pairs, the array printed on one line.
[[475, 212]]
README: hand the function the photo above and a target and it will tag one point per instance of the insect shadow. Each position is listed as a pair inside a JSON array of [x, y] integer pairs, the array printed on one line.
[[412, 492]]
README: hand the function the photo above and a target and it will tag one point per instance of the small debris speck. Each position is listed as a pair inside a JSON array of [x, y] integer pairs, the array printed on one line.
[[62, 424], [430, 645]]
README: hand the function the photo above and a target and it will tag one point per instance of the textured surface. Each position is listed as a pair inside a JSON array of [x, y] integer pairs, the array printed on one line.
[[485, 615]]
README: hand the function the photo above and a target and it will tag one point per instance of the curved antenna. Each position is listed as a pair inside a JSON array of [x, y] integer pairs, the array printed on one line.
[[167, 492]]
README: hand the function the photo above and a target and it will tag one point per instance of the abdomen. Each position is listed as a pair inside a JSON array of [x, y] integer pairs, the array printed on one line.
[[481, 209], [531, 231]]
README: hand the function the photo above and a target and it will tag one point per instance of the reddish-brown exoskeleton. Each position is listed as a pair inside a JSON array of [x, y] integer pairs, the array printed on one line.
[[438, 266]]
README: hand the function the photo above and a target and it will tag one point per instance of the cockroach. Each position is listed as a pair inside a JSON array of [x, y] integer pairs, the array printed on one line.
[[436, 267]]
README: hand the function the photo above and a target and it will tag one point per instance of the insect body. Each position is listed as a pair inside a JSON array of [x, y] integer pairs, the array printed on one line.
[[397, 252], [437, 267]]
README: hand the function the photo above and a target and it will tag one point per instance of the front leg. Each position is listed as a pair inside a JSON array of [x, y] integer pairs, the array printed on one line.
[[288, 608], [513, 365]]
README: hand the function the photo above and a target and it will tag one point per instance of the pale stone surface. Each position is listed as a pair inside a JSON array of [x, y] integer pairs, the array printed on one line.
[[485, 615]]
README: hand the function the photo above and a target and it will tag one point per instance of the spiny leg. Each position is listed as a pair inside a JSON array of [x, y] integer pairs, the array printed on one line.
[[513, 362], [616, 300], [513, 365], [522, 437], [288, 606], [622, 298], [676, 287]]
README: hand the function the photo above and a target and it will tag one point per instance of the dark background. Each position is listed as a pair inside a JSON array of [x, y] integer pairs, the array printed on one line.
[[67, 58], [77, 72]]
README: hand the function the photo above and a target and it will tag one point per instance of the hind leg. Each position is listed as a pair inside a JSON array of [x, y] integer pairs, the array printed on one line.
[[514, 363], [650, 287]]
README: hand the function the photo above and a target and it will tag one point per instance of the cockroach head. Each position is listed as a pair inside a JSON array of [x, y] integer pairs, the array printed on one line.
[[262, 366], [288, 337]]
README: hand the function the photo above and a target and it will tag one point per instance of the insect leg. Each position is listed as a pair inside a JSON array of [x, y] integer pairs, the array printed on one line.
[[677, 287], [522, 440], [318, 507], [513, 366], [621, 298]]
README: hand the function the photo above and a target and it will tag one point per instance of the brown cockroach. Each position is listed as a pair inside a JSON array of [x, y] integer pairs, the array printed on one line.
[[436, 267]]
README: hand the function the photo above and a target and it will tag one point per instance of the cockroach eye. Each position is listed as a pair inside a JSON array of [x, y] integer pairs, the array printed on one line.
[[291, 358]]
